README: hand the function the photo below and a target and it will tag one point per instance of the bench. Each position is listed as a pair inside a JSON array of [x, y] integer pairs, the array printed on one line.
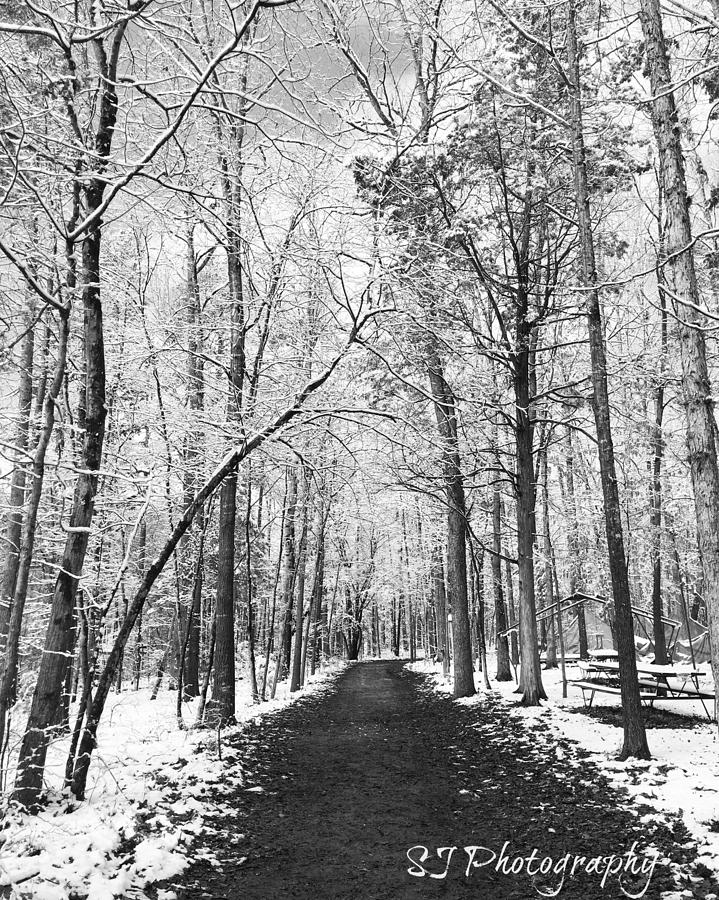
[[594, 687], [568, 657], [647, 697], [676, 693]]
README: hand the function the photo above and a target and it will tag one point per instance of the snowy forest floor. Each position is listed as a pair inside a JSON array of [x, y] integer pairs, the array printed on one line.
[[325, 798], [683, 776], [122, 838], [325, 795]]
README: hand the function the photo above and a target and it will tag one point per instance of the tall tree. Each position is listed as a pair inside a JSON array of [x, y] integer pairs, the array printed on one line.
[[9, 670], [231, 461], [504, 672], [635, 741], [289, 570], [458, 600], [48, 702], [683, 294], [193, 446], [18, 479]]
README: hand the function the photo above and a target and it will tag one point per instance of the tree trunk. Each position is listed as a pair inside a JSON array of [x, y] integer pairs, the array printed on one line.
[[192, 656], [299, 617], [395, 613], [551, 657], [223, 685], [288, 570], [272, 612], [47, 702], [504, 672], [576, 580], [514, 637], [327, 617], [208, 674], [531, 685], [8, 673], [85, 666], [193, 452], [142, 561], [655, 490], [440, 600], [306, 640], [250, 593], [681, 281], [222, 707], [13, 533], [445, 411], [635, 741], [181, 691], [404, 575], [317, 590], [481, 640]]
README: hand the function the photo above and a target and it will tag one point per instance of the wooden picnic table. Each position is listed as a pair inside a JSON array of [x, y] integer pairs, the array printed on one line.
[[655, 677], [669, 671]]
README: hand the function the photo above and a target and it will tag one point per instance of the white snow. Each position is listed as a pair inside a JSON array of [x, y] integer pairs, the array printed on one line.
[[121, 838], [682, 777], [147, 772]]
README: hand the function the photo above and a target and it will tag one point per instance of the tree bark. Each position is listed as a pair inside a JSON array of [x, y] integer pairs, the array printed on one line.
[[8, 673], [272, 612], [514, 638], [250, 592], [18, 479], [635, 741], [478, 567], [47, 701], [531, 686], [317, 587], [440, 600], [205, 685], [547, 575], [504, 671], [222, 708], [576, 579], [289, 568], [193, 453], [681, 286], [299, 617], [445, 412], [656, 506]]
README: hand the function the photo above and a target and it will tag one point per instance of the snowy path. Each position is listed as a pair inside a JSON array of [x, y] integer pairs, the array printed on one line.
[[337, 788]]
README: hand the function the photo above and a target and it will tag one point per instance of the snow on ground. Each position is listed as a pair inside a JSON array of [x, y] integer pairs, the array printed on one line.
[[682, 777], [142, 764]]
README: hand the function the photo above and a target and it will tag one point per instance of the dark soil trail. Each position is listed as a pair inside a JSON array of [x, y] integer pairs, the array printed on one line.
[[354, 778]]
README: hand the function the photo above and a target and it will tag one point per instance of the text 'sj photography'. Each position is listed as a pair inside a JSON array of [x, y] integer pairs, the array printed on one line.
[[630, 871]]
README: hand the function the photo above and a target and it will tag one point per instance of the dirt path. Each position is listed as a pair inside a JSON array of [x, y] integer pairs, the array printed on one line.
[[352, 779]]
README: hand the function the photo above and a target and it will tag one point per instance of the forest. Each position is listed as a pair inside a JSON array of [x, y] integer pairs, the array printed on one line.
[[349, 329]]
